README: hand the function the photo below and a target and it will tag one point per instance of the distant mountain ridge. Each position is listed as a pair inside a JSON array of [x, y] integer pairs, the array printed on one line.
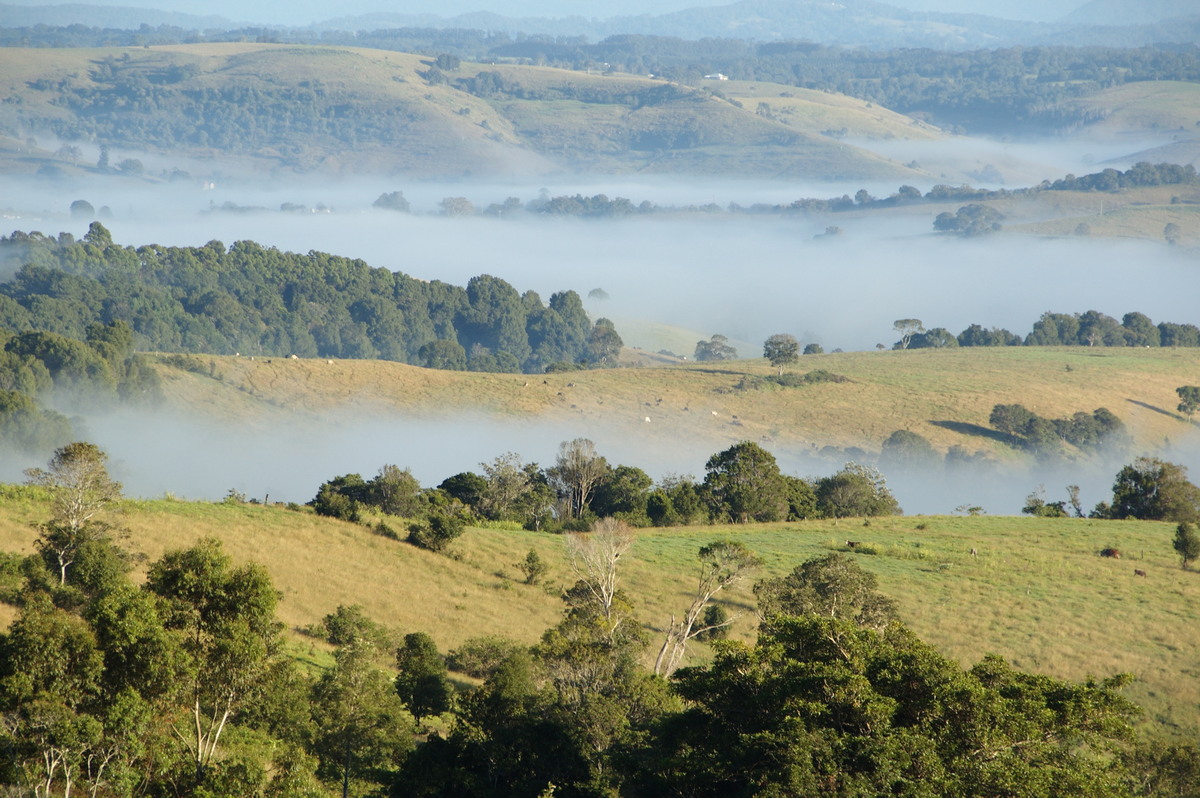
[[863, 23]]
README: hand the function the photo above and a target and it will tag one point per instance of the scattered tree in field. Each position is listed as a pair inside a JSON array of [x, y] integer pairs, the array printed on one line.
[[1189, 399], [533, 567], [1036, 505], [716, 348], [907, 329], [437, 530], [1187, 544], [782, 350], [814, 349], [1155, 490], [722, 564], [362, 731], [970, 220]]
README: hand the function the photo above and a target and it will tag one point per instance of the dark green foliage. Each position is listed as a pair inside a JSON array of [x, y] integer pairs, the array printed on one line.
[[822, 706], [394, 491], [1189, 399], [253, 299], [421, 682], [714, 624], [437, 531], [855, 491], [781, 349], [716, 348], [341, 497], [349, 625], [623, 493], [533, 567], [814, 377], [933, 338], [27, 427], [801, 498], [975, 335], [1036, 505], [743, 483], [482, 656], [833, 586], [1187, 544], [1155, 490], [1044, 437], [813, 349]]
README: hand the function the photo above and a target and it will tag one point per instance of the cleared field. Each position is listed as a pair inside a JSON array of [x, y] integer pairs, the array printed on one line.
[[1036, 593], [945, 395]]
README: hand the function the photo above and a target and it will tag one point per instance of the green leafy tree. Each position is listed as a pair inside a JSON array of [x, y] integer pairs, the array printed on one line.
[[1187, 544], [363, 732], [604, 344], [81, 488], [743, 483], [906, 450], [833, 586], [855, 491], [1155, 490], [821, 706], [422, 683], [1189, 399], [223, 618], [533, 567], [714, 349], [782, 350], [394, 491], [907, 329]]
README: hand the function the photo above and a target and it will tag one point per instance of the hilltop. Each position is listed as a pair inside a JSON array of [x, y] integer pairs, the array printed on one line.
[[945, 395], [354, 111]]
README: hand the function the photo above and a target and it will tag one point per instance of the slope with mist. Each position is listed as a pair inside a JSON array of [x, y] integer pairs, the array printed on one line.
[[362, 111]]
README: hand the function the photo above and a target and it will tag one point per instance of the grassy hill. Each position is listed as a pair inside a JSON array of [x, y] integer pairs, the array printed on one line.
[[1037, 593], [355, 110], [945, 395]]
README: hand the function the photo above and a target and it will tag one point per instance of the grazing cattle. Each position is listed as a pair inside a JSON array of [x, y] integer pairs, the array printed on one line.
[[850, 544], [974, 553], [1138, 572], [1110, 552]]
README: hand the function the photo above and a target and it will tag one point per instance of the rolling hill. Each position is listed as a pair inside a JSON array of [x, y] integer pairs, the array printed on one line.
[[945, 395], [354, 111], [1037, 593]]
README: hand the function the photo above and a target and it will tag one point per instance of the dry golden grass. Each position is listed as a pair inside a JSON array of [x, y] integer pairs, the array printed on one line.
[[932, 392]]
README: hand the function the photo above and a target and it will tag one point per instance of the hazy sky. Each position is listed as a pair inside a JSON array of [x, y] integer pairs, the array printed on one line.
[[300, 12]]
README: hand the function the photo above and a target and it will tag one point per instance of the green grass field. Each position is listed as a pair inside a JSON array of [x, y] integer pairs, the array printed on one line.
[[1037, 593]]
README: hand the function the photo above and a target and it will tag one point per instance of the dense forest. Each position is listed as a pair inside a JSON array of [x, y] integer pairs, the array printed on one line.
[[183, 685], [995, 91], [260, 301]]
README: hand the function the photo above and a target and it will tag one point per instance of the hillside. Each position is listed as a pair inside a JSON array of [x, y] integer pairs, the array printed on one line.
[[1037, 593], [945, 395], [356, 111]]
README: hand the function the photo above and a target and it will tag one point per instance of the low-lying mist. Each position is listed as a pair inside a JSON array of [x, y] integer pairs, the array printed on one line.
[[740, 275]]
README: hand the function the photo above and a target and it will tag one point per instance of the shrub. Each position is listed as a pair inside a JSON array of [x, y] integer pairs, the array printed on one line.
[[481, 656]]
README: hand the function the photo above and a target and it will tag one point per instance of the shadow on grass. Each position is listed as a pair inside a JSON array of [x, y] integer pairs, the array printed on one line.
[[1167, 413], [965, 428]]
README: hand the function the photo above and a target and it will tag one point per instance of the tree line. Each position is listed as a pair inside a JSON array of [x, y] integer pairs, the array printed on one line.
[[1091, 328], [741, 484], [182, 686]]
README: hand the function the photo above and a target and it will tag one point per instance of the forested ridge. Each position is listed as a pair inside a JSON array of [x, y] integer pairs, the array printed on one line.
[[261, 301]]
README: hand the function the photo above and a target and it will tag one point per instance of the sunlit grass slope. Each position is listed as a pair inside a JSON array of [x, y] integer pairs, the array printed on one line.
[[944, 395], [1037, 592]]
